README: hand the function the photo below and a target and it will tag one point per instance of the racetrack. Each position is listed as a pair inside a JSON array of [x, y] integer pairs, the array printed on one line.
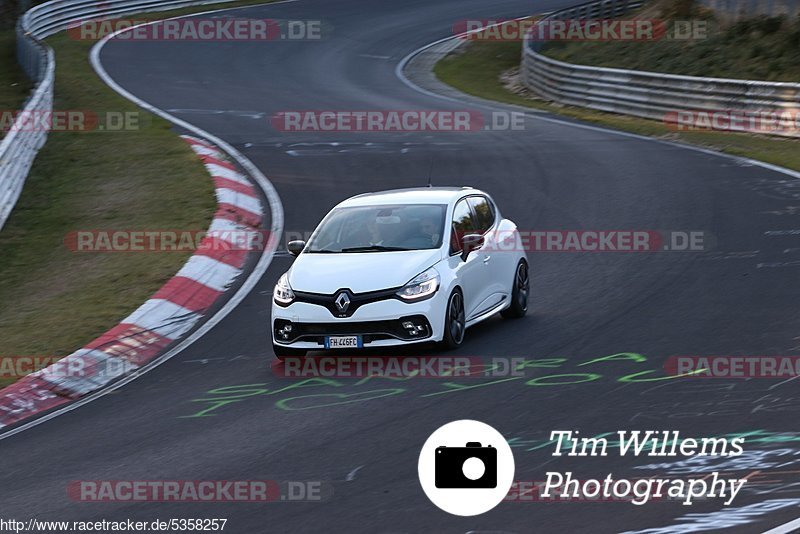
[[364, 436]]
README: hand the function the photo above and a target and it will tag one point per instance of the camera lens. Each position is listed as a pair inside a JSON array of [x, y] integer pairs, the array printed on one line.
[[473, 468]]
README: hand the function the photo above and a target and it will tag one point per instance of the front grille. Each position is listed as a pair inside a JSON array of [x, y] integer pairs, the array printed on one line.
[[355, 300], [369, 330]]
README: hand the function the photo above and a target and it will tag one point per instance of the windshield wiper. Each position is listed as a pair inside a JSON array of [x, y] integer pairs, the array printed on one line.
[[374, 248], [322, 251]]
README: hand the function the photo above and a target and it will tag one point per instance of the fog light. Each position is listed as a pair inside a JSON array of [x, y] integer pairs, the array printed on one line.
[[284, 332], [408, 325]]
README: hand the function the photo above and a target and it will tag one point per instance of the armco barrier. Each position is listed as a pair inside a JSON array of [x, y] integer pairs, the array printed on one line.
[[19, 147], [648, 94]]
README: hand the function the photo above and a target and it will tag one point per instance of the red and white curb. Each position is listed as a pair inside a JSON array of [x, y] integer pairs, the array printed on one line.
[[169, 314]]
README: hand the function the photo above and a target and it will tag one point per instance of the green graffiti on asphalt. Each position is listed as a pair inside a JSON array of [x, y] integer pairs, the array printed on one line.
[[300, 403], [213, 401]]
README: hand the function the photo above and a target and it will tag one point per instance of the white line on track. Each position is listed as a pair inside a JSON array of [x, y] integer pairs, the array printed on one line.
[[792, 526], [276, 217], [351, 476]]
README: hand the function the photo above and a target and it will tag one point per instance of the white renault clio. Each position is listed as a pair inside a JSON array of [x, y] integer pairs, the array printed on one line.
[[400, 267]]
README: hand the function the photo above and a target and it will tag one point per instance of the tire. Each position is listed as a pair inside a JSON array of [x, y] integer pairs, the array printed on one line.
[[283, 353], [519, 293], [454, 326]]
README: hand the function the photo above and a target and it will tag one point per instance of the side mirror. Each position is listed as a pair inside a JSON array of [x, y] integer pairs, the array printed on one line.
[[469, 243], [295, 247]]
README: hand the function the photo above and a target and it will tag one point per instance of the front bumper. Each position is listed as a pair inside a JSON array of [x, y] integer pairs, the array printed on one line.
[[380, 324]]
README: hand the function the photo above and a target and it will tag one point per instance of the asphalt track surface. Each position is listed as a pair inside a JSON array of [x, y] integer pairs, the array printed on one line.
[[738, 298]]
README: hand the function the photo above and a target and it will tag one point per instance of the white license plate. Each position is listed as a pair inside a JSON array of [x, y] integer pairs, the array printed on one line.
[[343, 342]]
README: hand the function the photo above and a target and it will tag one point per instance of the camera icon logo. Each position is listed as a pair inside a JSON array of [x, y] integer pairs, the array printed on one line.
[[466, 467], [472, 466]]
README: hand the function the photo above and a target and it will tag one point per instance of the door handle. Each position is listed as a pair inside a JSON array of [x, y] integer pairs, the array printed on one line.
[[486, 259]]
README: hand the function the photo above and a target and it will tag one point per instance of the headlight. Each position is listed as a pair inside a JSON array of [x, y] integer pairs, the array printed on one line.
[[283, 293], [423, 285]]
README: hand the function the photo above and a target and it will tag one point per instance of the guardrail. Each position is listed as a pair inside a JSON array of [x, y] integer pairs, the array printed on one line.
[[20, 145], [682, 101]]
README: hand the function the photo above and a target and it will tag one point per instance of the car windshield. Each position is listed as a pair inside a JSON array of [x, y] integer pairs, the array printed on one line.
[[383, 228]]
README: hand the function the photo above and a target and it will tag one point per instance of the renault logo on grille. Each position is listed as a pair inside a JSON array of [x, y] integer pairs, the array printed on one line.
[[342, 302]]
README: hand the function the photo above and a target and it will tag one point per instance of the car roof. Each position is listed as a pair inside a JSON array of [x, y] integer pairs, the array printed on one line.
[[415, 195]]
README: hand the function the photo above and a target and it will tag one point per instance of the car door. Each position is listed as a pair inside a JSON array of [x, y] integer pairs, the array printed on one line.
[[494, 281], [470, 273]]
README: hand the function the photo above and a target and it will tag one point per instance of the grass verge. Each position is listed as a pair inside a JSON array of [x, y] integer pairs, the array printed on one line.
[[481, 68], [52, 300], [756, 48]]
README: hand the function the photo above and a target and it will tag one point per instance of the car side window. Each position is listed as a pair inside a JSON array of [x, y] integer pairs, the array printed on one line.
[[484, 213], [462, 224]]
